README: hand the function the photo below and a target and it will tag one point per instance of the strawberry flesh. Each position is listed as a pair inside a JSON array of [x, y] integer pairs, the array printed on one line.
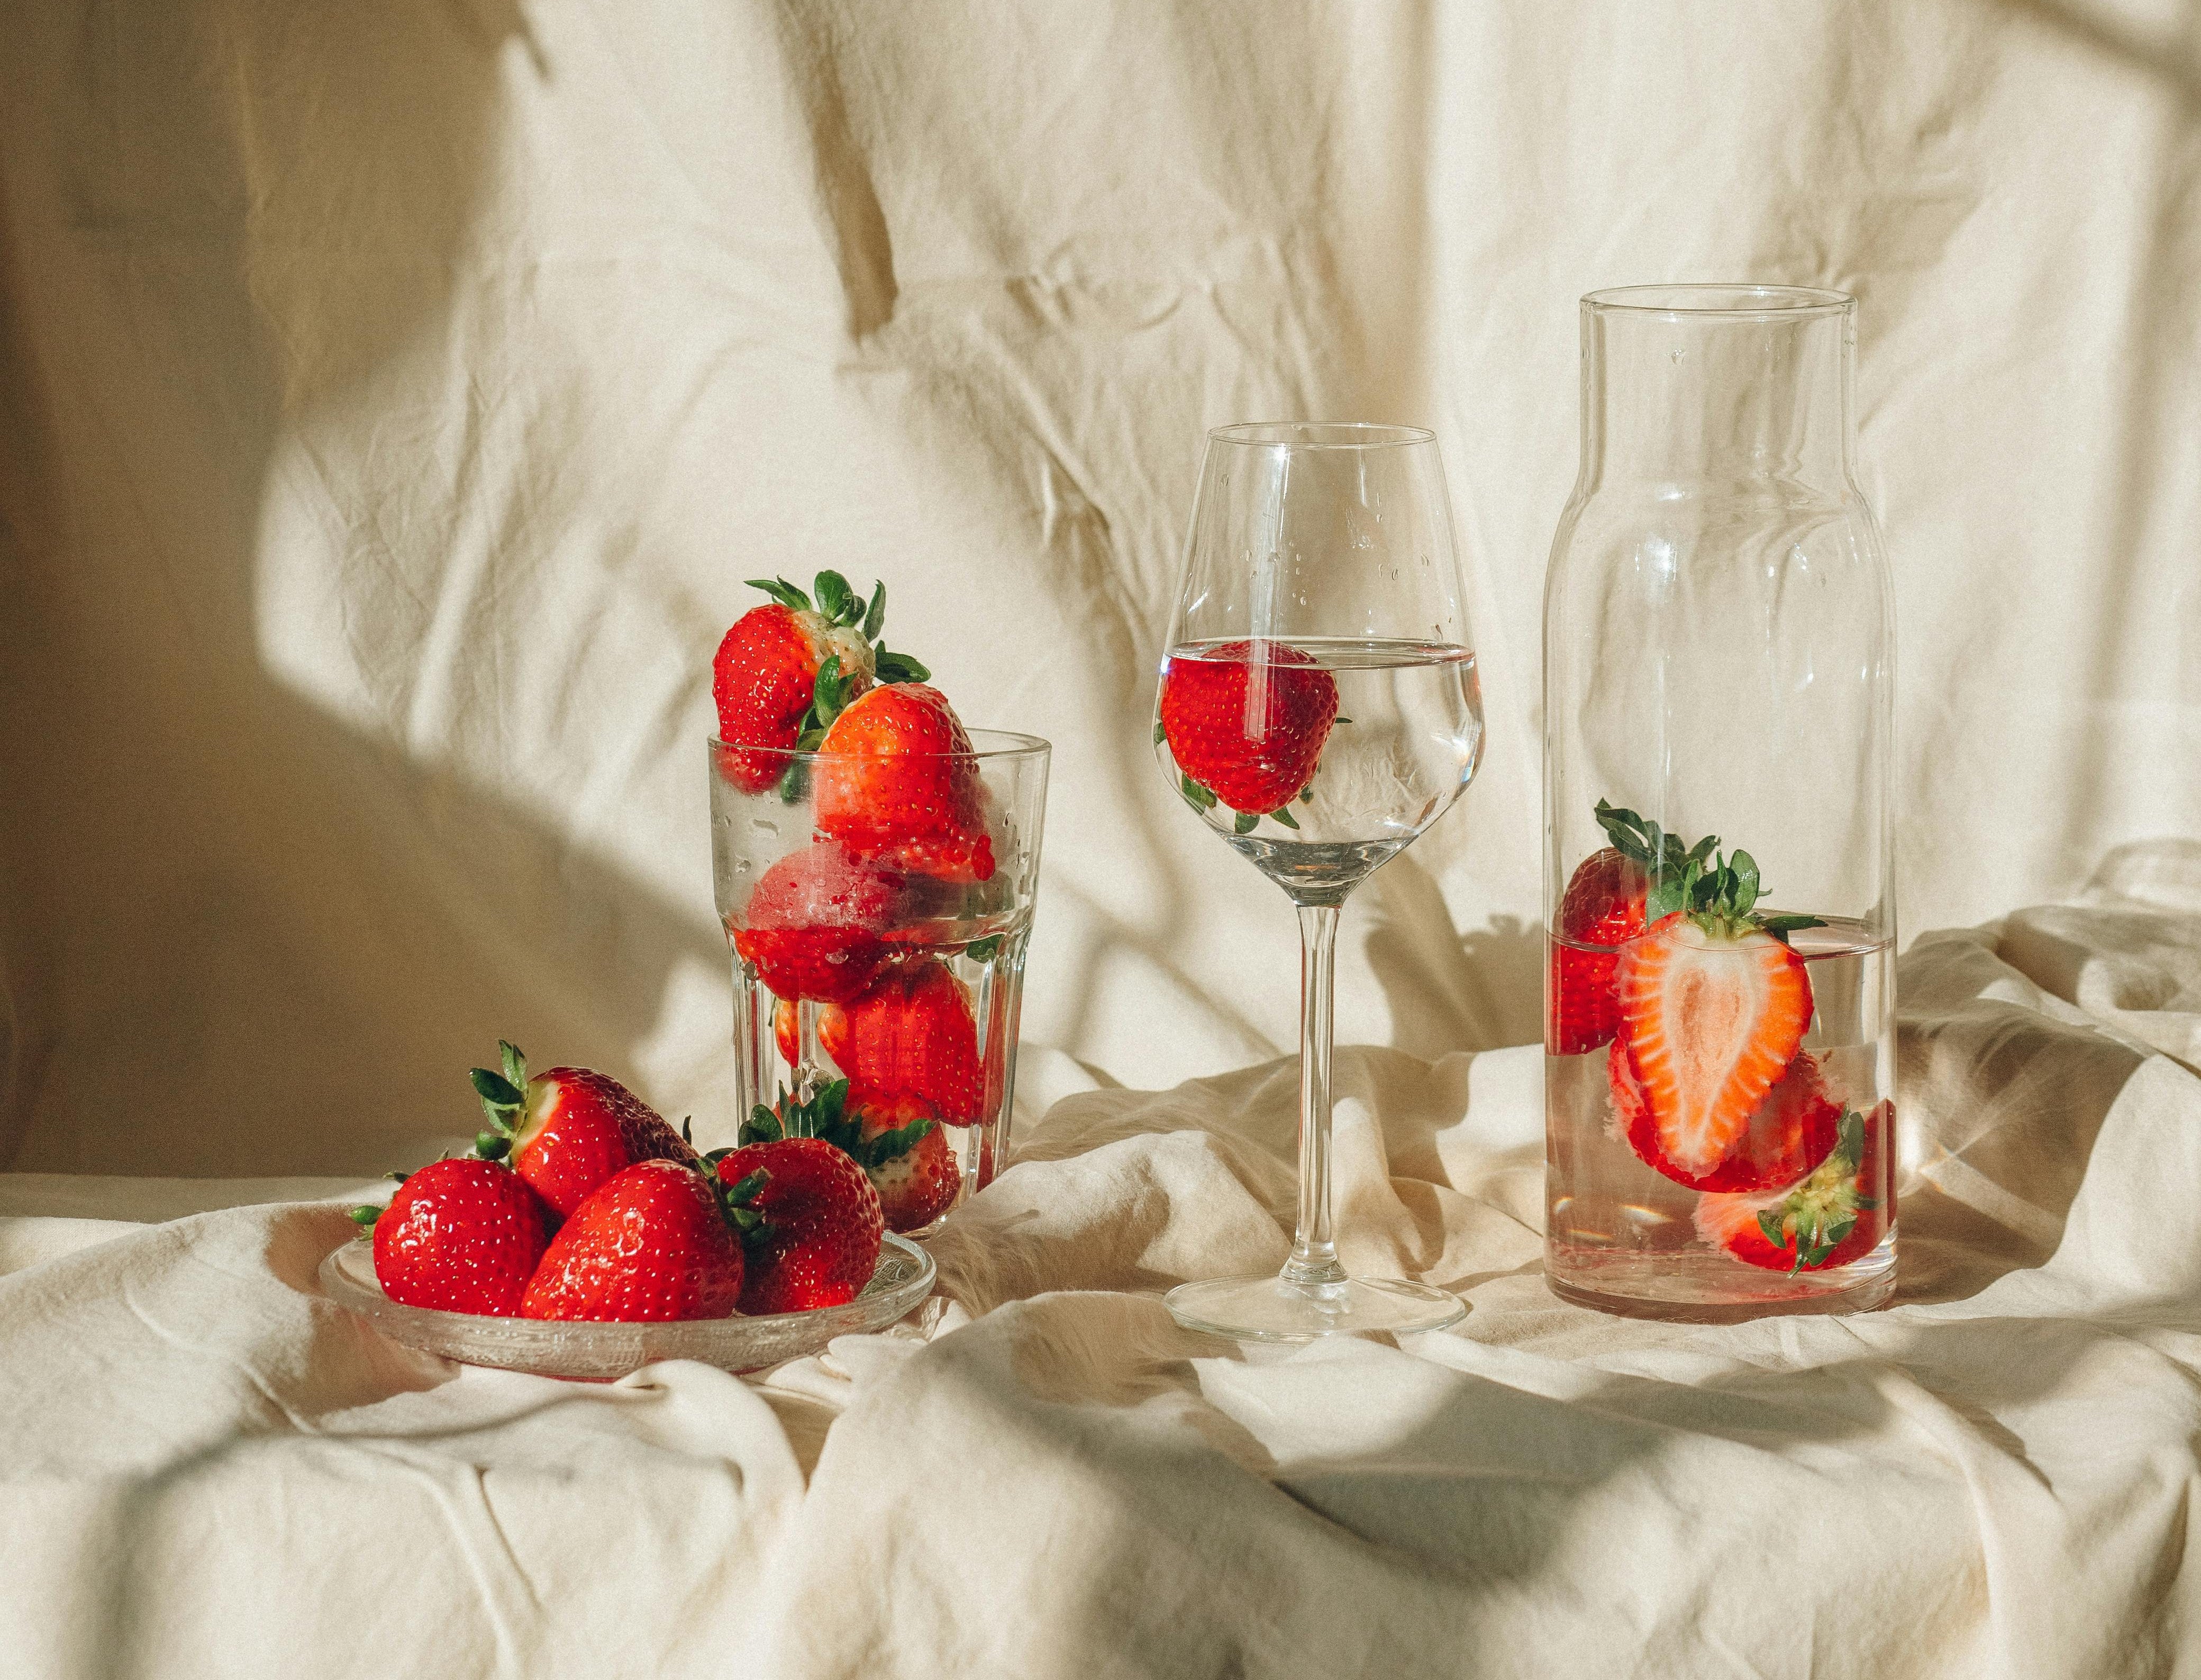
[[897, 786], [1787, 1136], [1713, 1017], [460, 1236], [1247, 720]]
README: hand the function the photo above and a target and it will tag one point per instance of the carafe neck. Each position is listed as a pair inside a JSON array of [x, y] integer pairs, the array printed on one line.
[[1701, 389]]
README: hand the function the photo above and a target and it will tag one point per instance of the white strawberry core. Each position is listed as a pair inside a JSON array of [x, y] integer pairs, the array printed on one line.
[[542, 1099], [845, 640], [1713, 992]]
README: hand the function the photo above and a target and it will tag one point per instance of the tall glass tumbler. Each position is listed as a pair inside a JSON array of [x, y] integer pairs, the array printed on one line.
[[1718, 869], [899, 972]]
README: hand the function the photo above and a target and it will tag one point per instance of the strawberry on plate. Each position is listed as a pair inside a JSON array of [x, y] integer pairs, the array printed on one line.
[[568, 1131], [911, 1037], [898, 786], [657, 1243], [460, 1236], [819, 1241], [1787, 1135], [1601, 910], [1838, 1214], [815, 923], [1246, 722], [1713, 1006], [786, 667]]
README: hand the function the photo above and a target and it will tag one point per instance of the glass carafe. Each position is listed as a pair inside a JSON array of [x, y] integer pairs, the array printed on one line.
[[1718, 891]]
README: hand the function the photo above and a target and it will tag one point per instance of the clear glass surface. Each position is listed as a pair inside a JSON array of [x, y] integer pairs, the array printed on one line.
[[1719, 658], [848, 929], [605, 1352], [1317, 709]]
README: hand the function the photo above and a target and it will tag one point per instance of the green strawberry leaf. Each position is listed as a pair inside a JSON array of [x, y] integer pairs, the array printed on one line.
[[1849, 1142], [1160, 734], [741, 1193], [795, 780], [364, 1217], [1782, 927], [1743, 893], [1283, 814], [515, 1064], [1306, 795], [889, 1144], [1341, 717], [1866, 1204], [1770, 1221], [495, 1090], [1198, 796], [1838, 1232], [491, 1146], [834, 596], [984, 950], [784, 592], [1245, 822], [827, 694], [762, 1126], [893, 667], [875, 615]]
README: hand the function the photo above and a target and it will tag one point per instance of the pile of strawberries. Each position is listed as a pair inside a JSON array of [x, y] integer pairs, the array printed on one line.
[[898, 813], [580, 1201], [1661, 954]]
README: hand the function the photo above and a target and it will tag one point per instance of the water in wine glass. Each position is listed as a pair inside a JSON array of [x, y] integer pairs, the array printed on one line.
[[1319, 757]]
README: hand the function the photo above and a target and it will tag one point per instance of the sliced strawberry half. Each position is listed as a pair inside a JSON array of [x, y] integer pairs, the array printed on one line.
[[785, 669], [1786, 1136], [1838, 1214], [1602, 909], [1714, 1007]]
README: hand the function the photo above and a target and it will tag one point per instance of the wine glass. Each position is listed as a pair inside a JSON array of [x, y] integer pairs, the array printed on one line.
[[1318, 709]]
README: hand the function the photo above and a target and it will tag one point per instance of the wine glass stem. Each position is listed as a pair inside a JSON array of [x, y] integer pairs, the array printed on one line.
[[1314, 1247]]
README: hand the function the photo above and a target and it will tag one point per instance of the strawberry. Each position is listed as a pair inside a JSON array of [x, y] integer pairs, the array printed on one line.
[[786, 1032], [568, 1131], [1601, 910], [657, 1242], [460, 1236], [1835, 1216], [819, 1243], [920, 1183], [1787, 1133], [896, 784], [815, 923], [786, 668], [1246, 722], [911, 1037], [1713, 1006]]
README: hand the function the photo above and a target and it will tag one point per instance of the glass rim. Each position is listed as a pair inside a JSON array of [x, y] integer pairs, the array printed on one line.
[[1319, 435], [1731, 300], [985, 743]]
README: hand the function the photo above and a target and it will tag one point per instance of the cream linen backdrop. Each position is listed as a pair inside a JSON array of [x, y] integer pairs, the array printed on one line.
[[396, 397]]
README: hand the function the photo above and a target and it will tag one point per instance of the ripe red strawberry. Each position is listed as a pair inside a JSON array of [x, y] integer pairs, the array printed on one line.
[[1601, 910], [815, 923], [785, 668], [1787, 1135], [656, 1243], [819, 1242], [1713, 1006], [1245, 721], [460, 1236], [569, 1130], [786, 1032], [916, 1185], [910, 1037], [896, 784], [1838, 1214]]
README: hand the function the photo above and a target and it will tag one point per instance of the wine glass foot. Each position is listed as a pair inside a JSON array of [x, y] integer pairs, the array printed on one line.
[[1269, 1309]]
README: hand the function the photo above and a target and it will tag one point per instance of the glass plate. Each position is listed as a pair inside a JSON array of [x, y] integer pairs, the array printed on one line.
[[558, 1348]]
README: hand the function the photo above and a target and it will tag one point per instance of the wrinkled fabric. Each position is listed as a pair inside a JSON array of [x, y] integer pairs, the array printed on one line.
[[397, 397], [210, 1470]]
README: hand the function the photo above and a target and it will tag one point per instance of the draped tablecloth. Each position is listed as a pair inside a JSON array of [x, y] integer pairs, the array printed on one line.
[[211, 1469]]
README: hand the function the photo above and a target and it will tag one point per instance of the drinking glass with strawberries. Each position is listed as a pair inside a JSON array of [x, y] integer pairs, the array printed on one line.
[[1719, 1074], [1317, 710], [874, 864]]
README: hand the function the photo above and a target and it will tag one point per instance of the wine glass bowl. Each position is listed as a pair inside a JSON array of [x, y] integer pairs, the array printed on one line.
[[1318, 708]]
